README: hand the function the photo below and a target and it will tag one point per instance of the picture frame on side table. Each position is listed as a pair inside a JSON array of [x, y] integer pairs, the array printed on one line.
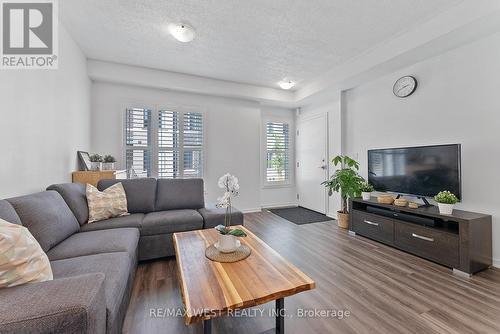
[[84, 160]]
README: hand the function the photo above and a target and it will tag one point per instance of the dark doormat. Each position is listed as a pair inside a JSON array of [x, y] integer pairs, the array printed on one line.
[[300, 215]]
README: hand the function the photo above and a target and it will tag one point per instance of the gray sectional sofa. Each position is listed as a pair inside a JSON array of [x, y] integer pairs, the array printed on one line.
[[94, 264]]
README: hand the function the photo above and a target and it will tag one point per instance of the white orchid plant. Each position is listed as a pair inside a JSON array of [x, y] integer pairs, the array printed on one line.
[[231, 188]]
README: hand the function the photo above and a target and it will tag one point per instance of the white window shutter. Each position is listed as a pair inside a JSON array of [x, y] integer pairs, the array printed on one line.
[[168, 144], [277, 152], [175, 137], [138, 141], [192, 144]]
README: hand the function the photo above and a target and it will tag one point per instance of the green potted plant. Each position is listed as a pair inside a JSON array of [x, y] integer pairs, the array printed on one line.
[[446, 200], [366, 190], [95, 162], [108, 162], [347, 182]]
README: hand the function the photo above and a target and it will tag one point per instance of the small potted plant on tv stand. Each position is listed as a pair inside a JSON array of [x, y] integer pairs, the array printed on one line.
[[366, 191], [446, 200], [347, 182]]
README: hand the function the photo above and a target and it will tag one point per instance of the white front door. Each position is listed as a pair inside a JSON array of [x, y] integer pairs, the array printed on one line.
[[312, 167]]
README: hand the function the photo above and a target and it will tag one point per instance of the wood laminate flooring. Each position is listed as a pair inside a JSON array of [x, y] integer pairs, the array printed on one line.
[[385, 290]]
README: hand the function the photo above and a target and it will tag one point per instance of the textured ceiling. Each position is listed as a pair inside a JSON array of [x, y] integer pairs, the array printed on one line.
[[249, 41]]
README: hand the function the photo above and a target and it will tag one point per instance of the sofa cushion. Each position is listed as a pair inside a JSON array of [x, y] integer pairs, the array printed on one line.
[[22, 260], [74, 195], [106, 204], [67, 305], [213, 216], [117, 269], [134, 220], [175, 194], [96, 242], [47, 217], [141, 193], [171, 221], [8, 213]]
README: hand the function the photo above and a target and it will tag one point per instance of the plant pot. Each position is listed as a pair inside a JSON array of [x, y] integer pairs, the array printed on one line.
[[366, 195], [445, 209], [108, 166], [95, 166], [343, 219], [227, 243]]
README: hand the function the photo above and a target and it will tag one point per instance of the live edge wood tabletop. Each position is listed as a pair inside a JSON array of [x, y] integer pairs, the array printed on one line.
[[210, 289]]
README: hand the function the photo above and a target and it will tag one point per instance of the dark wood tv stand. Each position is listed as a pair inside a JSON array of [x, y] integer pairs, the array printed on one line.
[[461, 241]]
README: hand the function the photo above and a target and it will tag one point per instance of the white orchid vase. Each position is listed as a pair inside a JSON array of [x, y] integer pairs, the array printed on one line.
[[231, 188]]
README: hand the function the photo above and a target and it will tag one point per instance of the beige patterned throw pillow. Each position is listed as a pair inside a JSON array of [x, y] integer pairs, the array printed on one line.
[[112, 202], [22, 260]]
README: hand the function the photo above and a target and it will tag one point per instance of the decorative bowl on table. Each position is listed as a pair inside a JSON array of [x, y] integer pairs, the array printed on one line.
[[385, 199], [400, 202]]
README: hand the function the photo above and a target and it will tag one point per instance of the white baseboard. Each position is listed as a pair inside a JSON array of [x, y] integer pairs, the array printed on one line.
[[332, 215], [280, 205], [251, 210], [496, 263]]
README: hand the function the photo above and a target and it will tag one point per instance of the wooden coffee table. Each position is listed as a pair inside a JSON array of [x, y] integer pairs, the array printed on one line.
[[211, 289]]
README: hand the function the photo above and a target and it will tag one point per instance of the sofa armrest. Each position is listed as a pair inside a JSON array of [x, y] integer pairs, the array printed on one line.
[[213, 216], [65, 305]]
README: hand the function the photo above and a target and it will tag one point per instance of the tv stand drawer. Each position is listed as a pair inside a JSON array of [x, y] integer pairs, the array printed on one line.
[[435, 245], [373, 226]]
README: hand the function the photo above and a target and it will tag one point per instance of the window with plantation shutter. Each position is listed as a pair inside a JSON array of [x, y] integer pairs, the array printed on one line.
[[168, 144], [138, 145], [277, 152], [177, 145], [192, 153]]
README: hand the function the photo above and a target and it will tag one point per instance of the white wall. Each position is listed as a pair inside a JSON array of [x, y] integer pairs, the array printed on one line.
[[45, 120], [457, 101], [232, 129]]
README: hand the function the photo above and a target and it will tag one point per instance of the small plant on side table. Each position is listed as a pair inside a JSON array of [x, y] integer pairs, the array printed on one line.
[[95, 162], [366, 190], [446, 200], [108, 162], [227, 238], [347, 182]]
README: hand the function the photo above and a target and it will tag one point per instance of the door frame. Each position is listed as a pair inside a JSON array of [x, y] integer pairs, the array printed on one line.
[[299, 121]]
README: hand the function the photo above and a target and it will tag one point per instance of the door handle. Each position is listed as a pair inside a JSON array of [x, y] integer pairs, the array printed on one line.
[[422, 237], [323, 167], [370, 223]]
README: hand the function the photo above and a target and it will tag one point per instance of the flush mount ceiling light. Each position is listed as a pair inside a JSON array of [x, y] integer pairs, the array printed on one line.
[[286, 84], [182, 32]]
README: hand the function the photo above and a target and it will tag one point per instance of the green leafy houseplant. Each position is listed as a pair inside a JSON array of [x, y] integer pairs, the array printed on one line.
[[95, 158], [109, 159], [95, 162], [366, 187], [345, 180], [108, 162], [446, 200], [446, 197]]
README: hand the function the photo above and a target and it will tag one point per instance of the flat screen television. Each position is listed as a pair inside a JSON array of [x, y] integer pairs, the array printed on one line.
[[421, 171]]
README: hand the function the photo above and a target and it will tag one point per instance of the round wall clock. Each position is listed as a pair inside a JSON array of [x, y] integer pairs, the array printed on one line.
[[405, 86]]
